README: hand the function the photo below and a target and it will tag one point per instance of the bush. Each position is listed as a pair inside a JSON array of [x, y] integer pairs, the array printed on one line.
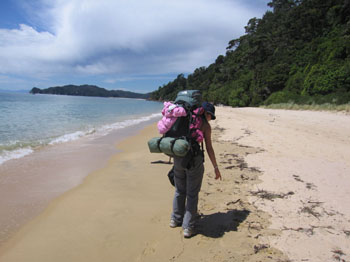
[[281, 97]]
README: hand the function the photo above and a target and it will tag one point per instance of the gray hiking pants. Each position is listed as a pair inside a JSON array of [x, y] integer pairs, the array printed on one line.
[[187, 186]]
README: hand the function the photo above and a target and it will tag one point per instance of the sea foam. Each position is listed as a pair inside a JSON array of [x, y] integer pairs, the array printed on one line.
[[17, 153], [106, 129], [14, 154]]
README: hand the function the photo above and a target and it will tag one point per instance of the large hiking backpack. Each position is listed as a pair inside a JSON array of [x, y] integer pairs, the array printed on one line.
[[189, 100], [180, 139]]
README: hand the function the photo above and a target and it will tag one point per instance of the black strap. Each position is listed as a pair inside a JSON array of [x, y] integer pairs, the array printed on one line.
[[202, 151], [158, 143], [173, 144], [189, 124]]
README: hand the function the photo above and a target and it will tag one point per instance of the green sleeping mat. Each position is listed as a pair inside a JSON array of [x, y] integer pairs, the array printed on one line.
[[169, 146]]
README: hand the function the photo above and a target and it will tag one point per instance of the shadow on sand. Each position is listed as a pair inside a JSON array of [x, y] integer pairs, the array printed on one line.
[[163, 162], [217, 224]]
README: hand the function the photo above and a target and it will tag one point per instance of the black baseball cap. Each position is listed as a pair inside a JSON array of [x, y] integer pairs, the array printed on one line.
[[210, 108]]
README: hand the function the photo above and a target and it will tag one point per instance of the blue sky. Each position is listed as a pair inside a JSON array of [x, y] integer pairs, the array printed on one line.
[[132, 45]]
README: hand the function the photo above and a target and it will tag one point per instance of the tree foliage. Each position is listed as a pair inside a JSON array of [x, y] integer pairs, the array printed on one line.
[[298, 51]]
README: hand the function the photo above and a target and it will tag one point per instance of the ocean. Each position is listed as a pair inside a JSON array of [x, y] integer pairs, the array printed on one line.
[[31, 122]]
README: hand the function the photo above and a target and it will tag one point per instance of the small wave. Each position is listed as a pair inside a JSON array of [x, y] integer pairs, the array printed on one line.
[[71, 137], [104, 130], [15, 154], [17, 149]]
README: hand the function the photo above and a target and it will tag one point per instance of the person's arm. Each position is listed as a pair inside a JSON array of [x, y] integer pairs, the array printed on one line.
[[210, 151]]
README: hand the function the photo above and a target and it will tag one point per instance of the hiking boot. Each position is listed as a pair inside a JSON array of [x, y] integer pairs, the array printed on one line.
[[173, 223], [188, 232]]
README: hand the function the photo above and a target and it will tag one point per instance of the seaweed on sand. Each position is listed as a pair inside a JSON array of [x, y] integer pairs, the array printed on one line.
[[270, 195]]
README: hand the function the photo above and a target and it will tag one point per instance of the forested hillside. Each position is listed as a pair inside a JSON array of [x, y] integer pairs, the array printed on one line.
[[87, 90], [299, 51]]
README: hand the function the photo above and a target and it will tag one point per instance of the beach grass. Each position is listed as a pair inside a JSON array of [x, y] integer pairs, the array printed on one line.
[[313, 107]]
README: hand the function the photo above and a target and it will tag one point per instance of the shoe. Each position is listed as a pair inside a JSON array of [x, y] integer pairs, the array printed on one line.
[[188, 232], [173, 223]]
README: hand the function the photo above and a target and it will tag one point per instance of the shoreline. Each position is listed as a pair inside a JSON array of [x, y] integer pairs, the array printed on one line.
[[75, 136], [31, 123], [121, 211], [29, 184]]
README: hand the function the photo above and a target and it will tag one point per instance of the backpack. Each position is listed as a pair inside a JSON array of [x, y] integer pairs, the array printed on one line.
[[182, 138], [189, 100]]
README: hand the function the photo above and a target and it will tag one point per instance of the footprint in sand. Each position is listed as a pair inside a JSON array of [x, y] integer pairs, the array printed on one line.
[[156, 219], [149, 249]]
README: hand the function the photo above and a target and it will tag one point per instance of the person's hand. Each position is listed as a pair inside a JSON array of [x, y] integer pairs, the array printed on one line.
[[217, 174]]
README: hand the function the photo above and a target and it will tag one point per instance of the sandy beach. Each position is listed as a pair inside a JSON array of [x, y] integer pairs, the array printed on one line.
[[284, 197]]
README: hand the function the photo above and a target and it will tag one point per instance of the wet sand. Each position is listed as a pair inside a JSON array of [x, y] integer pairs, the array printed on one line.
[[268, 207], [27, 185]]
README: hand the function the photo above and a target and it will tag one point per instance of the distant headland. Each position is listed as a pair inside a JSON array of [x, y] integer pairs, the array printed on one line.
[[87, 90]]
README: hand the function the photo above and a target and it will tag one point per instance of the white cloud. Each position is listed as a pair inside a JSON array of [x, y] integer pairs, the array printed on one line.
[[134, 78], [122, 37]]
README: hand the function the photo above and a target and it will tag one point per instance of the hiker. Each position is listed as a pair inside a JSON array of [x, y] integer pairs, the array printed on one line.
[[188, 181]]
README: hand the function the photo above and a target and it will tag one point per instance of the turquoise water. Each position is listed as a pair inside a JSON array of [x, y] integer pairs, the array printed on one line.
[[28, 122]]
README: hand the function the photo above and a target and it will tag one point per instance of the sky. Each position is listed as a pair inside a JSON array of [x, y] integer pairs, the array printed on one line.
[[134, 45]]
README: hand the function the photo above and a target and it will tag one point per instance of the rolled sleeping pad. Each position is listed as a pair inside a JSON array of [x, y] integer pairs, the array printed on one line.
[[169, 146], [153, 145]]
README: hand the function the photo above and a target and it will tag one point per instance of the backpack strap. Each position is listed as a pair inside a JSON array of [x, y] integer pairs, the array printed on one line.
[[173, 144], [158, 143], [202, 151], [189, 124]]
